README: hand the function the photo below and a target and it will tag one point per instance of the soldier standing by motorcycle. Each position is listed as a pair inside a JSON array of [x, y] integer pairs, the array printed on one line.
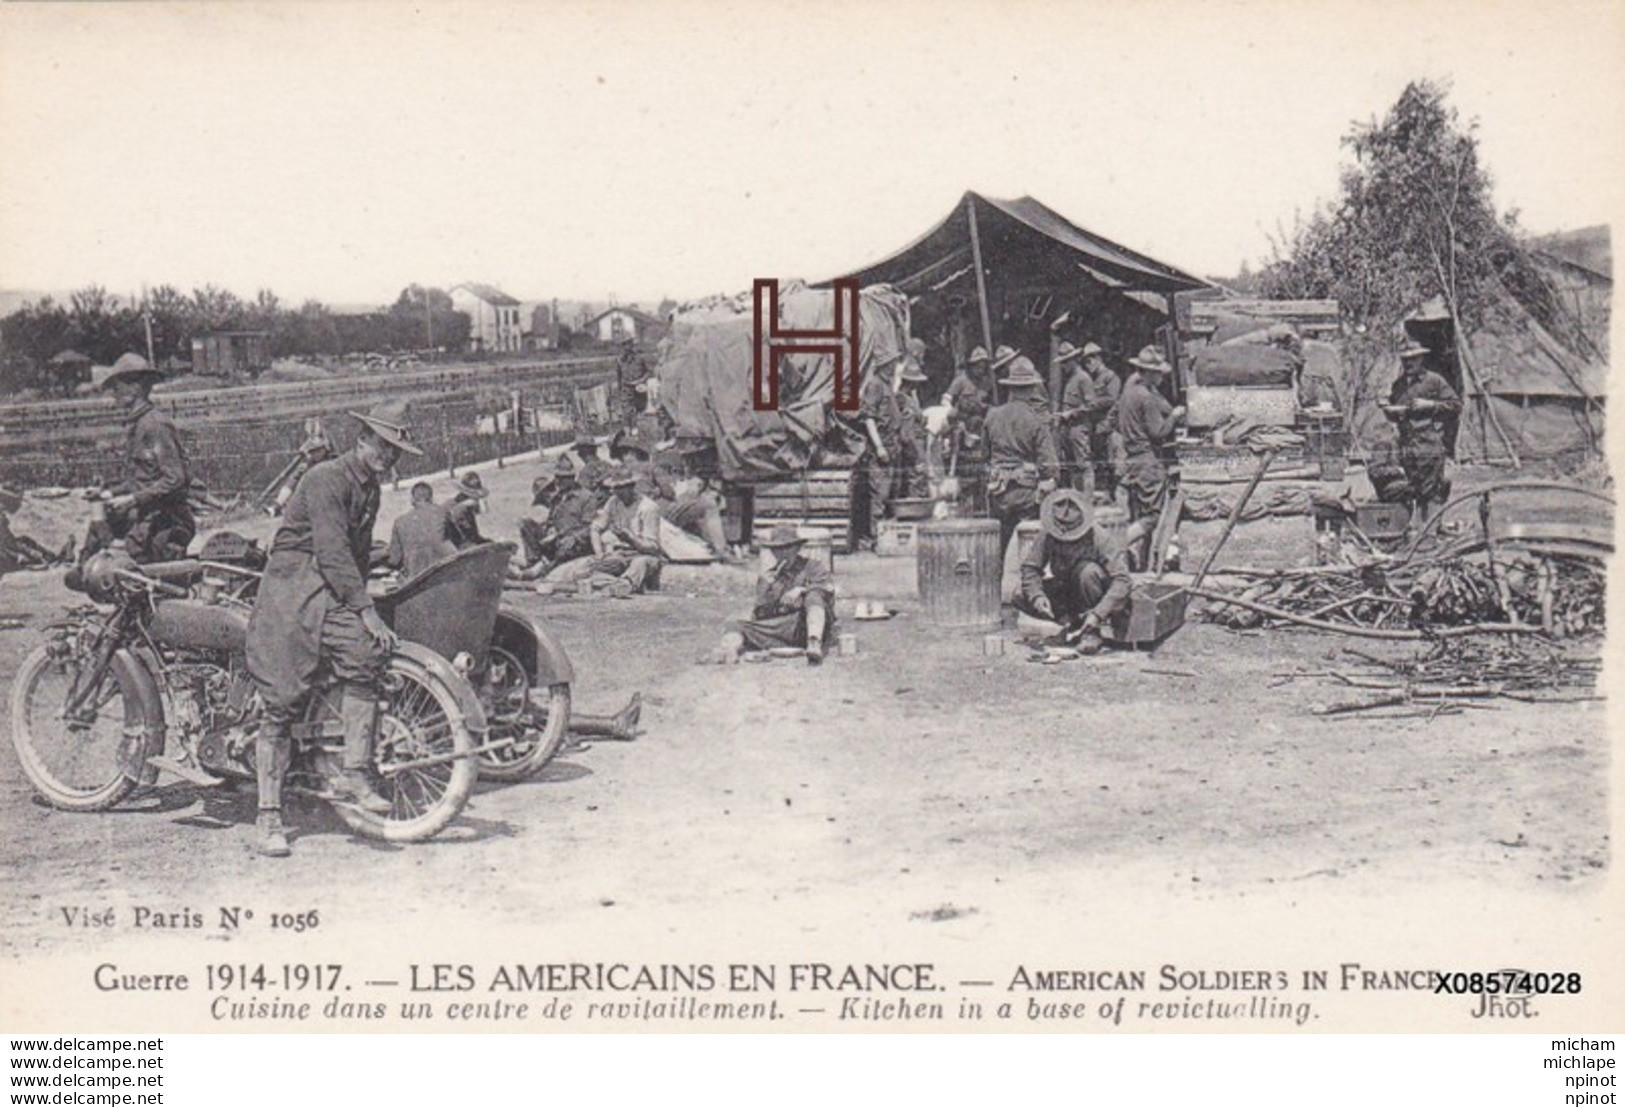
[[313, 610], [149, 508]]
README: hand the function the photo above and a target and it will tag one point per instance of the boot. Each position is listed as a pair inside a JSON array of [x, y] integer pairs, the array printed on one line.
[[358, 708], [621, 726], [273, 840], [272, 749]]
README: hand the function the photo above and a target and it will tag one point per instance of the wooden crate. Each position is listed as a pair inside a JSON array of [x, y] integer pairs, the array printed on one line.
[[816, 497], [1382, 520], [1155, 610]]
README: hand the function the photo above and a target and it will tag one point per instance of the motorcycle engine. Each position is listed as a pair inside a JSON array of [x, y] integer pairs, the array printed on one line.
[[210, 705]]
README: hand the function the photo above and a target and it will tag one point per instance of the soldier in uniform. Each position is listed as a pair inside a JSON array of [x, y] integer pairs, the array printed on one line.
[[422, 536], [1071, 421], [795, 600], [591, 468], [969, 395], [464, 510], [882, 425], [1073, 574], [625, 540], [1099, 417], [1421, 405], [1023, 465], [566, 532], [149, 507], [1147, 422], [912, 475], [18, 551], [313, 611]]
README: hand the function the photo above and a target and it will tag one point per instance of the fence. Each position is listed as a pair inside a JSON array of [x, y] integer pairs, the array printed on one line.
[[239, 439]]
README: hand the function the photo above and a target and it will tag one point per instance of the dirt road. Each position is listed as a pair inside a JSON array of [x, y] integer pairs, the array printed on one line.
[[916, 783]]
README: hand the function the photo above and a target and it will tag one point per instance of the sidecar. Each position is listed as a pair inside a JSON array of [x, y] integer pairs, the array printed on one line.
[[518, 669]]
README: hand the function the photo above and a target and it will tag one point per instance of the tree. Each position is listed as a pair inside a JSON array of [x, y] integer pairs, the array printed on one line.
[[1415, 220]]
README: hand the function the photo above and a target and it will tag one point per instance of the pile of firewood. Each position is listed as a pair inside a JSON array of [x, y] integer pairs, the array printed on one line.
[[1457, 674], [1558, 595]]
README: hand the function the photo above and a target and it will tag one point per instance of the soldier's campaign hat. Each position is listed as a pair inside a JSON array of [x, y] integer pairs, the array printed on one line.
[[131, 367], [1022, 374], [10, 498], [470, 487], [913, 372], [1150, 357], [1413, 348], [1065, 352], [563, 468], [1003, 356], [781, 536], [621, 478], [1091, 349], [1066, 515], [916, 348], [388, 421], [976, 355], [539, 488]]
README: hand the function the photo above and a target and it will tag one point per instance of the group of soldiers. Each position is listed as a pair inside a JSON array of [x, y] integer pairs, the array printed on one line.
[[1005, 458]]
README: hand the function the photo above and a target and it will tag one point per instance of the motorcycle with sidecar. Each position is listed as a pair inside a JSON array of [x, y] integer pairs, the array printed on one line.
[[150, 678]]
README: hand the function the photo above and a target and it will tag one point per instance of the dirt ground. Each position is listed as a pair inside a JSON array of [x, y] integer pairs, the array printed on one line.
[[916, 782]]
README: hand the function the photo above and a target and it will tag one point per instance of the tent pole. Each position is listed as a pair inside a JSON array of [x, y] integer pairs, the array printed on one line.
[[981, 280]]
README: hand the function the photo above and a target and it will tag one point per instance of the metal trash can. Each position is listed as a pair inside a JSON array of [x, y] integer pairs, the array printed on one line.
[[959, 570]]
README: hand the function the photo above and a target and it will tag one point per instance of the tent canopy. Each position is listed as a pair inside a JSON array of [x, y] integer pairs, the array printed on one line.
[[1026, 230]]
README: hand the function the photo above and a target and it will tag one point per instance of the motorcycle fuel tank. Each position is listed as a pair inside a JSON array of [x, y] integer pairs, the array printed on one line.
[[196, 625]]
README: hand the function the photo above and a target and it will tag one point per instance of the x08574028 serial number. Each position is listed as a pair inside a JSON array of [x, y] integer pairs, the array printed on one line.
[[1508, 982]]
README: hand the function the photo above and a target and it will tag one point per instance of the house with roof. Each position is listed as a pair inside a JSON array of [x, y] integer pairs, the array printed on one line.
[[494, 323], [620, 323]]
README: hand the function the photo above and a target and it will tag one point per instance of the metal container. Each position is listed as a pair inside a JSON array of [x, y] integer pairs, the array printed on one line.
[[912, 509], [959, 572], [1155, 610]]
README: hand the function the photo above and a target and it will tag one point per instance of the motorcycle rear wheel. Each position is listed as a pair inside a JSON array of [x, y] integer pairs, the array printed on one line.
[[421, 719], [73, 766]]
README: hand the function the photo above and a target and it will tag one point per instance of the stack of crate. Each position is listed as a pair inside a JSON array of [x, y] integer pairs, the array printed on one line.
[[812, 498]]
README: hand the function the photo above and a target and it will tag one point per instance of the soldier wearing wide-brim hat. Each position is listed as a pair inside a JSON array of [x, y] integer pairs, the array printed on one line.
[[795, 598], [1424, 409], [468, 499], [564, 532], [313, 611], [912, 477], [149, 508], [1148, 422], [1023, 461], [1073, 574], [1100, 417], [1072, 420], [880, 419], [968, 397]]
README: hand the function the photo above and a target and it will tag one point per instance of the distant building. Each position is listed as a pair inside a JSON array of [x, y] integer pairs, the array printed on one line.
[[620, 323], [231, 354], [493, 317]]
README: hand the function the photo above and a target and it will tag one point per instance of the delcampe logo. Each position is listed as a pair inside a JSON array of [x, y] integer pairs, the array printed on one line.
[[772, 341]]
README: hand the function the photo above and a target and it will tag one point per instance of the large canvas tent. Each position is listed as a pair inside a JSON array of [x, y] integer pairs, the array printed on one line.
[[1001, 271]]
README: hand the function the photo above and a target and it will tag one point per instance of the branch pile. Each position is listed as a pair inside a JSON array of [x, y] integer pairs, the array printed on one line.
[[1458, 674], [1558, 595]]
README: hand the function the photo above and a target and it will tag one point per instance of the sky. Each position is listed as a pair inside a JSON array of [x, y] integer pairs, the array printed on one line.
[[615, 150]]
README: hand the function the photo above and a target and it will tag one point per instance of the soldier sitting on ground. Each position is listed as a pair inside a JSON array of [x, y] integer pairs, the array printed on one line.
[[795, 603], [422, 536], [625, 542], [561, 530]]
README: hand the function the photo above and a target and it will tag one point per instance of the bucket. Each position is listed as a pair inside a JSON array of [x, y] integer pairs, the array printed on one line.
[[959, 571]]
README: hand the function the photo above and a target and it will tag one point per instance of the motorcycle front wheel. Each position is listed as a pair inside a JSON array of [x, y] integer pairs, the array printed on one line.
[[72, 764], [423, 756]]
